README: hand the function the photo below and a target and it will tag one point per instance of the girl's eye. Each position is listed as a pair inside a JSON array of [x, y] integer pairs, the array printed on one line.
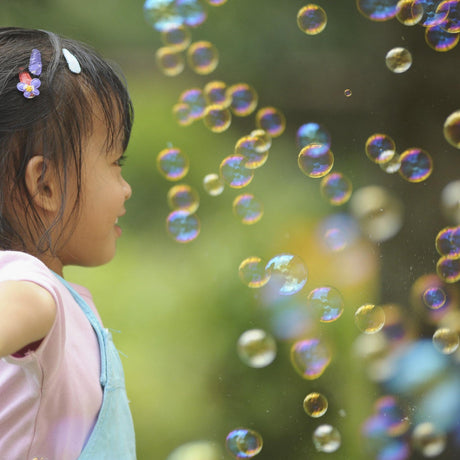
[[121, 161]]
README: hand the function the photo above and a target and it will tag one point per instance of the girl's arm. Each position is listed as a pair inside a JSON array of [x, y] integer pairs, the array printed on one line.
[[27, 312]]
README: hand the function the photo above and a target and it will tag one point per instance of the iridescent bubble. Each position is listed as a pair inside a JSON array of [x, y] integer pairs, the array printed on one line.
[[183, 197], [311, 19], [162, 14], [215, 92], [416, 165], [182, 226], [452, 129], [172, 163], [440, 40], [254, 149], [192, 12], [391, 166], [380, 148], [451, 9], [217, 118], [234, 172], [216, 2], [315, 161], [313, 133], [378, 10], [370, 318], [327, 302], [448, 269], [448, 242], [409, 12], [271, 120], [248, 209], [194, 98], [252, 272], [288, 273], [450, 201], [310, 358], [243, 99], [182, 114], [398, 60], [169, 61], [202, 57], [196, 450], [265, 140], [213, 184], [431, 16], [315, 404], [348, 92], [446, 340], [326, 438], [256, 348], [434, 298], [244, 443], [428, 440], [176, 37], [336, 188]]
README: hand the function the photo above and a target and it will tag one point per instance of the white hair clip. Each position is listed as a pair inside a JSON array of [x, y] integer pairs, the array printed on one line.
[[72, 62]]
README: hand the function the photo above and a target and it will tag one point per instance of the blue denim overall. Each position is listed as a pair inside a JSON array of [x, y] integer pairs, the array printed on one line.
[[112, 437]]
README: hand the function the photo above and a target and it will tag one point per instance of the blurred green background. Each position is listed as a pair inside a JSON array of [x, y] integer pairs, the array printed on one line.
[[181, 308]]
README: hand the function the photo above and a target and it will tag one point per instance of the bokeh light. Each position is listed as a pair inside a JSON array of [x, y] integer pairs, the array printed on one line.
[[326, 438], [256, 348]]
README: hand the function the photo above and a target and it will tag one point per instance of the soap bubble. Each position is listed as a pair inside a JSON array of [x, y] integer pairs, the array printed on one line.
[[196, 450], [370, 318], [348, 92], [451, 9], [215, 92], [452, 129], [448, 269], [252, 272], [248, 209], [315, 161], [432, 16], [338, 231], [391, 166], [192, 12], [213, 184], [446, 340], [450, 201], [202, 57], [315, 405], [377, 10], [428, 440], [162, 14], [169, 61], [217, 118], [244, 443], [380, 148], [253, 149], [310, 358], [327, 302], [313, 133], [183, 226], [216, 2], [398, 60], [176, 37], [234, 172], [243, 99], [448, 242], [194, 98], [182, 114], [336, 188], [288, 272], [311, 19], [440, 40], [326, 438], [265, 140], [172, 163], [256, 348], [271, 120], [409, 12], [434, 298], [183, 197], [416, 165]]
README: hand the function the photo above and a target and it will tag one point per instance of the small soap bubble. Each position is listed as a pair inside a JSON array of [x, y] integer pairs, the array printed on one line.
[[315, 161], [428, 440], [377, 10], [244, 443], [183, 197], [310, 358], [271, 120], [215, 92], [265, 141], [162, 14], [213, 184], [192, 12], [288, 272], [391, 166], [326, 438], [434, 298], [313, 133], [315, 405], [311, 19], [234, 172], [182, 114], [327, 302], [440, 40], [176, 37], [452, 129], [380, 148], [196, 450], [409, 12], [169, 61], [195, 99], [183, 226], [446, 340], [248, 209], [416, 165], [172, 163], [217, 118], [202, 57], [348, 92], [336, 188], [370, 318], [252, 272], [398, 60], [243, 99], [256, 348], [254, 149], [448, 242], [448, 269]]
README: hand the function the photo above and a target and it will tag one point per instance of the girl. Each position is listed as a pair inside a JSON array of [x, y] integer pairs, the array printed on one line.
[[65, 122]]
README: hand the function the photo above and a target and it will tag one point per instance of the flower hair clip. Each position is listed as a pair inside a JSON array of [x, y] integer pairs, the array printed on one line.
[[27, 84]]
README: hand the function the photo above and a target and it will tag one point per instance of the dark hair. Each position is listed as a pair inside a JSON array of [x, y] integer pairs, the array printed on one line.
[[53, 124]]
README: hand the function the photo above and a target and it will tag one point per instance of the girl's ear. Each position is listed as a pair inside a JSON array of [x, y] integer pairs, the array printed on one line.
[[41, 182]]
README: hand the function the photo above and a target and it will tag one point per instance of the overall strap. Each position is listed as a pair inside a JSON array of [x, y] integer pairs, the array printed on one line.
[[95, 323]]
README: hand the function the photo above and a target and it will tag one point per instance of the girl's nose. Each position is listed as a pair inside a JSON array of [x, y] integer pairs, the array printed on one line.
[[127, 189]]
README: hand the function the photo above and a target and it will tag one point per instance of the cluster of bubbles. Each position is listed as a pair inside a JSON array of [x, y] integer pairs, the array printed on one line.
[[448, 247]]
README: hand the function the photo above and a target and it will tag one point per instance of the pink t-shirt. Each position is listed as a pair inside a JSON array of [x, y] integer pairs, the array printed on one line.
[[50, 398]]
